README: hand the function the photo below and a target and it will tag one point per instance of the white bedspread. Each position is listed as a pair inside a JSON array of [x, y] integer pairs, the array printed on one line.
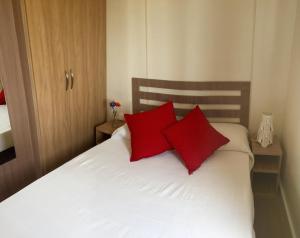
[[6, 140], [101, 194]]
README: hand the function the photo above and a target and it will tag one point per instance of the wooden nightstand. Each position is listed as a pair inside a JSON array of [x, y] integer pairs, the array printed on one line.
[[105, 130], [267, 160]]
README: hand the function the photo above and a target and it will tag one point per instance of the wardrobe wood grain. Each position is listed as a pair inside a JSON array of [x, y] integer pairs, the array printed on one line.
[[47, 22], [67, 37], [40, 41], [24, 169], [26, 64], [87, 59]]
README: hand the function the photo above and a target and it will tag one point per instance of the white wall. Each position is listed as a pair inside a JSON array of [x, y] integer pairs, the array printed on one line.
[[200, 40], [291, 134], [203, 40], [126, 48], [274, 29]]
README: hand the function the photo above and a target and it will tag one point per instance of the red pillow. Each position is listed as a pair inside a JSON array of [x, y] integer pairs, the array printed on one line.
[[2, 98], [194, 139], [146, 129]]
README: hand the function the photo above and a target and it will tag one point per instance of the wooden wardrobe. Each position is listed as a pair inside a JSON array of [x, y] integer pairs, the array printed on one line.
[[63, 44]]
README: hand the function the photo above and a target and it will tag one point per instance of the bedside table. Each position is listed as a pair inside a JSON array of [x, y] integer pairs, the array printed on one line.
[[105, 130], [267, 160]]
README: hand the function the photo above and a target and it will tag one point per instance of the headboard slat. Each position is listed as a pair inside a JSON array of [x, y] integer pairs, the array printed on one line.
[[190, 99], [208, 112], [242, 100], [188, 85]]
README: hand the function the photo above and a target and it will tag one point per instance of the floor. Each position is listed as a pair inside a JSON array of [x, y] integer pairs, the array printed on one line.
[[270, 216]]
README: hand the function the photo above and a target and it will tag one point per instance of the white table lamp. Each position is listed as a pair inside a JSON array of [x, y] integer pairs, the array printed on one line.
[[265, 131]]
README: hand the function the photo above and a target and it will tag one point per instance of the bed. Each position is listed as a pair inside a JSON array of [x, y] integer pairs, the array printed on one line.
[[6, 140], [101, 194]]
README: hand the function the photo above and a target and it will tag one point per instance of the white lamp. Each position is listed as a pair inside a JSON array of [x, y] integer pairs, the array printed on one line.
[[265, 131]]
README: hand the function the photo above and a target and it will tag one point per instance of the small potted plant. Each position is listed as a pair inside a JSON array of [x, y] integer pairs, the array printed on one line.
[[114, 106]]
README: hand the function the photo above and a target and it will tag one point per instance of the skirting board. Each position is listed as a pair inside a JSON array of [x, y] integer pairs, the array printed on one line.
[[287, 209]]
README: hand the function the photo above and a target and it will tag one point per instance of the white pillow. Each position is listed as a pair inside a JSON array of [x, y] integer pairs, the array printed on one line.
[[122, 132], [237, 134]]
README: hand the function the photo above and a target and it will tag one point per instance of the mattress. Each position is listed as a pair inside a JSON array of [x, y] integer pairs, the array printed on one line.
[[101, 194], [6, 140]]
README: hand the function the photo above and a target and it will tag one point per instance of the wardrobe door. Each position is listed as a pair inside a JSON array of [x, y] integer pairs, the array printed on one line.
[[48, 36], [87, 62]]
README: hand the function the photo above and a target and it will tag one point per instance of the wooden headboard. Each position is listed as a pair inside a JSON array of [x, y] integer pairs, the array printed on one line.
[[220, 101]]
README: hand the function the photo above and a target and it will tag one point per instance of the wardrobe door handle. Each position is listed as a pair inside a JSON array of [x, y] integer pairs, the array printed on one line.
[[72, 78], [67, 79]]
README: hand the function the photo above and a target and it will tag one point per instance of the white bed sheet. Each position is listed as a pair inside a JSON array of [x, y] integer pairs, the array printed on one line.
[[101, 194], [6, 140]]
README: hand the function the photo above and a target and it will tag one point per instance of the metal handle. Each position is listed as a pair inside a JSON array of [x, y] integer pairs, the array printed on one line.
[[72, 78], [67, 79]]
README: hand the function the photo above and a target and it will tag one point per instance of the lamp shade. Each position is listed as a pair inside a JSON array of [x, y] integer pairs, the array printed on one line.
[[265, 131]]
